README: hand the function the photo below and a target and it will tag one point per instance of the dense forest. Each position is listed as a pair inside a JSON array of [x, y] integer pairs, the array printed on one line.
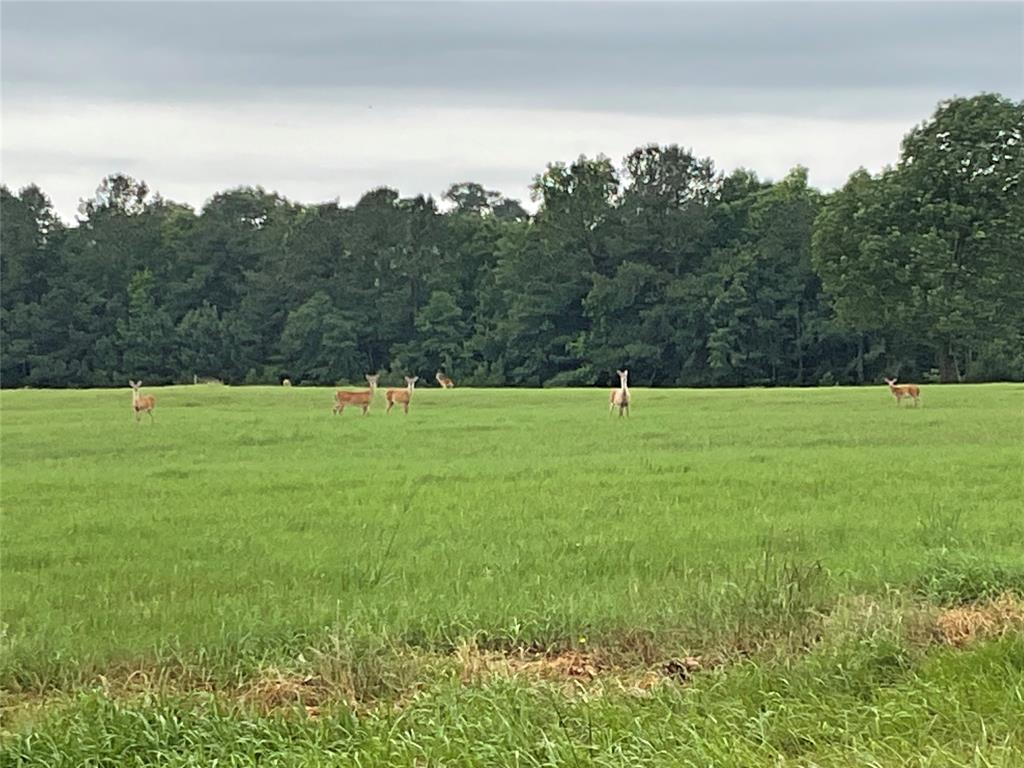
[[663, 265]]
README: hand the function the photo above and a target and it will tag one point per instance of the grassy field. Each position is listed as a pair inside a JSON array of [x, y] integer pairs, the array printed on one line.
[[511, 577]]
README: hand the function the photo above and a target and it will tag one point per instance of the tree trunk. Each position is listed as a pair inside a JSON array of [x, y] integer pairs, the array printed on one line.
[[948, 372], [860, 358], [799, 350]]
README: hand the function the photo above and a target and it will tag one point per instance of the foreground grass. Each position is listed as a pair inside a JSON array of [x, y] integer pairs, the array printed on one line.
[[248, 529], [863, 704]]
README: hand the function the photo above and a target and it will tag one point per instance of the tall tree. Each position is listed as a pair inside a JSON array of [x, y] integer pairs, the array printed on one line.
[[936, 237]]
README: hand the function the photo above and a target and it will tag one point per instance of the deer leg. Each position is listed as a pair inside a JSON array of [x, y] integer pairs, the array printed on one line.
[[405, 406], [391, 404], [365, 409]]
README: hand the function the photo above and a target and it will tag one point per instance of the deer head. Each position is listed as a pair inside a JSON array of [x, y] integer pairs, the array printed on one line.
[[372, 380], [411, 382]]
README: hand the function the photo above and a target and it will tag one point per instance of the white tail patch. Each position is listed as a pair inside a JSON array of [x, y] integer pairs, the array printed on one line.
[[619, 398]]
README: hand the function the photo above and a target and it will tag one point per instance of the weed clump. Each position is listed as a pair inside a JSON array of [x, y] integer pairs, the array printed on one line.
[[959, 579]]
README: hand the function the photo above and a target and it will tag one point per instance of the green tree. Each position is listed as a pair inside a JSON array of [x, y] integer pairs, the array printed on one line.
[[441, 332], [147, 336], [927, 252], [203, 344], [320, 344]]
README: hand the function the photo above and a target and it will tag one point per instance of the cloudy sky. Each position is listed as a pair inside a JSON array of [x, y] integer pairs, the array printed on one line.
[[323, 101]]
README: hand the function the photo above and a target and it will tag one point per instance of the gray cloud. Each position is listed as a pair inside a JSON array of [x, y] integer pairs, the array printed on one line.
[[324, 100], [551, 53]]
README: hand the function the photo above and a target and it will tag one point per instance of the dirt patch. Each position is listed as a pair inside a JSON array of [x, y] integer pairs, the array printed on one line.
[[964, 624]]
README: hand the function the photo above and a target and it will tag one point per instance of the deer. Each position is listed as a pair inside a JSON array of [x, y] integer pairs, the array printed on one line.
[[360, 398], [141, 403], [444, 381], [286, 383], [904, 390], [620, 397], [400, 395]]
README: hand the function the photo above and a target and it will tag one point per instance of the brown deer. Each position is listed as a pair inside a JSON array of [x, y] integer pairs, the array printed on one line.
[[904, 390], [360, 398], [400, 395], [620, 397], [444, 381], [141, 403]]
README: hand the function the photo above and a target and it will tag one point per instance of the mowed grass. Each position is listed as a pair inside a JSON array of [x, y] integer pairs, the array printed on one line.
[[248, 529]]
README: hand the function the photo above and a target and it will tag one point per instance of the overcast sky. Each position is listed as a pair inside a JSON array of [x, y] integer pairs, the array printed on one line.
[[323, 101]]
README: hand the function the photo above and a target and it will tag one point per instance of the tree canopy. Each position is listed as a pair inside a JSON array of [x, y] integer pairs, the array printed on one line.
[[664, 265]]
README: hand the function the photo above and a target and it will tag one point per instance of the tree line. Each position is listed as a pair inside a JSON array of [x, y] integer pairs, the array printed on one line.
[[663, 265]]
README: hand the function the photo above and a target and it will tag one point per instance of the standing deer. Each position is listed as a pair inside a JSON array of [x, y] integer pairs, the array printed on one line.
[[360, 398], [141, 403], [399, 395], [904, 390], [444, 381], [620, 397]]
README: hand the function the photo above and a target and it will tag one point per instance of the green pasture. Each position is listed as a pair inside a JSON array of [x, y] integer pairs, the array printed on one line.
[[249, 528]]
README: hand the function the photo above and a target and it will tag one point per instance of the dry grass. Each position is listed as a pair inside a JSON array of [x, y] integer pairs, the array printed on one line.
[[575, 671], [277, 690], [964, 624]]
